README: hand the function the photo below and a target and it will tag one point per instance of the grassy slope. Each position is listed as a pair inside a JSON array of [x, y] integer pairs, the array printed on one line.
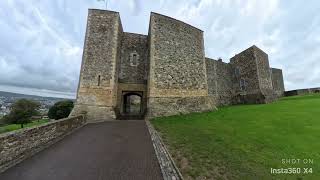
[[13, 127], [244, 142]]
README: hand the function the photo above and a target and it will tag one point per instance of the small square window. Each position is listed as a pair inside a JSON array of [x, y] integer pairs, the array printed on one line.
[[134, 59]]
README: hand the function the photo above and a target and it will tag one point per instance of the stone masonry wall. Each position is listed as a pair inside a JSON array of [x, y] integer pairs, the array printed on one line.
[[18, 145], [225, 89], [101, 56], [246, 64], [264, 74], [168, 67], [277, 81], [212, 77], [178, 105], [178, 54], [177, 66], [254, 69], [133, 70], [100, 49], [211, 66], [302, 91], [220, 81]]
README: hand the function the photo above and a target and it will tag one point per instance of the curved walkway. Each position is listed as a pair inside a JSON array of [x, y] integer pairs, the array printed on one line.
[[104, 151]]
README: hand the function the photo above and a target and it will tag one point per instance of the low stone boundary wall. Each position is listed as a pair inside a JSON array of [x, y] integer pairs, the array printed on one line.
[[168, 168], [18, 145], [302, 91]]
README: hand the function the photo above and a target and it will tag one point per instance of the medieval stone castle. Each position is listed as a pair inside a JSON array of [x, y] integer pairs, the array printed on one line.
[[167, 70]]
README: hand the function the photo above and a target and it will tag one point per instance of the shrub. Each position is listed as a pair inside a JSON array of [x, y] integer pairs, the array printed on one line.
[[60, 109]]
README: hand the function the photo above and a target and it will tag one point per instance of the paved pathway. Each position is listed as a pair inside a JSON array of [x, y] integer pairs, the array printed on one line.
[[104, 151]]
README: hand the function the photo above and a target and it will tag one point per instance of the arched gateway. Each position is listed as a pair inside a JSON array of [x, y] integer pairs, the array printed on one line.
[[132, 105]]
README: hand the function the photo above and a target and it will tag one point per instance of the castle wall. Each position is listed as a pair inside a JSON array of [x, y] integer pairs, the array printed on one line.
[[277, 82], [220, 77], [167, 68], [133, 70], [101, 56], [225, 84], [302, 91], [177, 78], [246, 65], [264, 74], [211, 69], [253, 65]]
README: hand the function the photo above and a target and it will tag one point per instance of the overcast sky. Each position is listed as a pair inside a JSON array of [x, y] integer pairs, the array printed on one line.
[[41, 41]]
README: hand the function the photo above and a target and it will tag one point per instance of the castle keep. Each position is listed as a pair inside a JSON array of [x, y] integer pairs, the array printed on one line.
[[126, 75]]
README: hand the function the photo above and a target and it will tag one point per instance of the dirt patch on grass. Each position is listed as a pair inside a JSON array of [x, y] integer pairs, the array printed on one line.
[[211, 173], [184, 164]]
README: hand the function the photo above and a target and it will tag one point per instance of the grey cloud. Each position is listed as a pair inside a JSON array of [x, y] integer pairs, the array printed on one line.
[[41, 41], [42, 58]]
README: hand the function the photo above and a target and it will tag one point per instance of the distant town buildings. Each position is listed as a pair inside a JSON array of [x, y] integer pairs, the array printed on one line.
[[6, 100]]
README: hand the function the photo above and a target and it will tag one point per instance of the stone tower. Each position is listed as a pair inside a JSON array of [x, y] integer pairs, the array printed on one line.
[[277, 81], [254, 76], [177, 72], [129, 76], [97, 90]]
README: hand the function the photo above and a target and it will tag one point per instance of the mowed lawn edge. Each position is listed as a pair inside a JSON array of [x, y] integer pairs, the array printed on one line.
[[246, 141]]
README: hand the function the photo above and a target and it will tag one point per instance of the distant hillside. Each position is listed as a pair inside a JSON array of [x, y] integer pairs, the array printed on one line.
[[9, 94]]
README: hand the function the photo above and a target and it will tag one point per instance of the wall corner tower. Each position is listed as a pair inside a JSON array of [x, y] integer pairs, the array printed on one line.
[[177, 71], [97, 88]]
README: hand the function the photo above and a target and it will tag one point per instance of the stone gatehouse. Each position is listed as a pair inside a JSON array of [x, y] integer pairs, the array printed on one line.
[[126, 75]]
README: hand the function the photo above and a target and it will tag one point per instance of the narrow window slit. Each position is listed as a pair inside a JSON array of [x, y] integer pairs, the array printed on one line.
[[99, 80]]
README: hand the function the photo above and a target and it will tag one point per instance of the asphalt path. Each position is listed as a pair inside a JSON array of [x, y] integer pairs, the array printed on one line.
[[103, 151]]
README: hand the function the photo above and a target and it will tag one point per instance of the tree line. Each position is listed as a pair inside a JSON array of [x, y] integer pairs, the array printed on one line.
[[22, 110]]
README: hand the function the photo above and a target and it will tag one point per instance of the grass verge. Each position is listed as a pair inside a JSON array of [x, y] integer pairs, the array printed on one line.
[[12, 127], [246, 141]]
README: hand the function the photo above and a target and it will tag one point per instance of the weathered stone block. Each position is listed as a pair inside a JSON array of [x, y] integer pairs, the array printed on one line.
[[178, 105]]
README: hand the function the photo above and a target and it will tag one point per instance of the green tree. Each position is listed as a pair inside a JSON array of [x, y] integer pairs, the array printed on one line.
[[5, 120], [60, 109], [21, 111]]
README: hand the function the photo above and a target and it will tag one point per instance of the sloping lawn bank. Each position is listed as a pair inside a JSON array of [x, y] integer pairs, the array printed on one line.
[[12, 127], [246, 141]]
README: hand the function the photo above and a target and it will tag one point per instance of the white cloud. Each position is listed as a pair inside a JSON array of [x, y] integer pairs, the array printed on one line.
[[41, 41]]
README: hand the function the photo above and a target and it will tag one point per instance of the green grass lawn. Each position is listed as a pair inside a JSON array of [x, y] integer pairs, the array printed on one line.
[[246, 141], [12, 127]]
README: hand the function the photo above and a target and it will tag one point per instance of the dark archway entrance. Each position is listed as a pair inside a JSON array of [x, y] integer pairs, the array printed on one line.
[[132, 105]]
